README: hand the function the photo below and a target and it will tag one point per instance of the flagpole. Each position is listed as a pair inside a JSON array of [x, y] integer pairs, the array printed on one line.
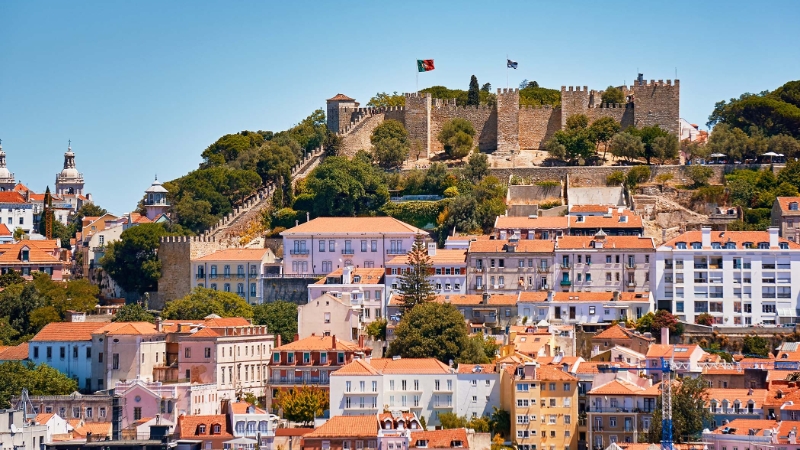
[[506, 70]]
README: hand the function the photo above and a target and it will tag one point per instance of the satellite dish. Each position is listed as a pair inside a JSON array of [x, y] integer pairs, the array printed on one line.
[[13, 428]]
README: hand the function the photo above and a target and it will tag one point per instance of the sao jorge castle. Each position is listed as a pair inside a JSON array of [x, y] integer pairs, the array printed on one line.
[[506, 127]]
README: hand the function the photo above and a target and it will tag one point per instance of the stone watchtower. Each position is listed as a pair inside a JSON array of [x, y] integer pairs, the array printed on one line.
[[339, 121], [155, 201], [507, 120]]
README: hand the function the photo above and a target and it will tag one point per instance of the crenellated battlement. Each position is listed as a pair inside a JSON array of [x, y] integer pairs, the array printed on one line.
[[613, 105], [417, 94], [574, 89], [506, 91], [538, 107], [454, 107], [654, 83], [179, 239]]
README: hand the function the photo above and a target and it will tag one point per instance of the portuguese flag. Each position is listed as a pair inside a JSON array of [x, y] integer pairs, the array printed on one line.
[[425, 65]]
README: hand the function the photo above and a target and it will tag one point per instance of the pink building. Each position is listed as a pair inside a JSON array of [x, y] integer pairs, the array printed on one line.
[[29, 256], [325, 244], [753, 434], [145, 400]]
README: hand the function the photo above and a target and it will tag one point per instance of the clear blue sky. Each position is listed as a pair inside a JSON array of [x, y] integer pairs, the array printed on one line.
[[143, 87]]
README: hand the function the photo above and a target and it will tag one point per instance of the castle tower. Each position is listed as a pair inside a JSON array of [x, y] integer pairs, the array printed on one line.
[[507, 120], [573, 101], [155, 201], [418, 122], [69, 181], [336, 121], [7, 182], [657, 103]]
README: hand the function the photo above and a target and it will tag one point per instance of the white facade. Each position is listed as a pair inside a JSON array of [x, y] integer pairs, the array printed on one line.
[[17, 215], [449, 275], [325, 244], [362, 289], [477, 390], [738, 277], [583, 307], [237, 270], [16, 432]]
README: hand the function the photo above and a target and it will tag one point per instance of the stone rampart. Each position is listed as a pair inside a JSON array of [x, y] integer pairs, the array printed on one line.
[[418, 122], [537, 124], [657, 103], [507, 120], [596, 176], [175, 254], [290, 289], [358, 138], [482, 118]]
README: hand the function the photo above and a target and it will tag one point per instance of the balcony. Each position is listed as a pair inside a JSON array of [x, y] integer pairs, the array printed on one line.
[[701, 280], [542, 269], [298, 252], [348, 251], [565, 265], [566, 283], [200, 276], [768, 266], [396, 251], [668, 266], [630, 265]]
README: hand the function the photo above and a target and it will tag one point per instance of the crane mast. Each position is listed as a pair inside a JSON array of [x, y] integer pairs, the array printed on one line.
[[666, 405]]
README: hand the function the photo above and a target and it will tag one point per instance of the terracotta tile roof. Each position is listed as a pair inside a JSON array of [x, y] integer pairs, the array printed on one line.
[[439, 438], [592, 366], [15, 353], [470, 368], [346, 426], [526, 223], [541, 296], [470, 237], [530, 344], [43, 418], [758, 396], [205, 332], [632, 221], [613, 332], [236, 254], [172, 326], [96, 428], [616, 387], [67, 331], [352, 226], [442, 256], [609, 242], [553, 373], [652, 391], [74, 423], [189, 426], [476, 299], [388, 366], [11, 197], [241, 408], [663, 350], [12, 253], [783, 204], [319, 343], [357, 367], [127, 328], [739, 238], [340, 97], [367, 276], [4, 231], [741, 427], [590, 208], [522, 246], [292, 431]]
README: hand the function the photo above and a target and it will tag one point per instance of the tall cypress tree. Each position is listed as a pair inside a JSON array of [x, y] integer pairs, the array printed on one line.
[[415, 282], [474, 94]]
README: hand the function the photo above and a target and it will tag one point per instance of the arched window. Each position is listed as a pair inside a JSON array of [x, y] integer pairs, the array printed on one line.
[[263, 426], [240, 427], [251, 427]]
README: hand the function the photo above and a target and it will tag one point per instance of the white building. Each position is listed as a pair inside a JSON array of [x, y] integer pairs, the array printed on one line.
[[477, 390], [67, 347], [125, 351], [738, 277], [17, 432], [56, 426], [365, 289], [583, 307], [253, 423], [238, 270], [449, 270], [424, 386], [325, 244], [16, 212]]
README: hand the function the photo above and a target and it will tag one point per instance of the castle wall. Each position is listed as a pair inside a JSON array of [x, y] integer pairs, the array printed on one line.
[[537, 124], [508, 120], [175, 254], [418, 122], [359, 137], [621, 112], [657, 103], [596, 175], [574, 100], [482, 118]]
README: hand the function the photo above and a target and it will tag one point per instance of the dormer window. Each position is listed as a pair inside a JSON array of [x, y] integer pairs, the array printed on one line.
[[24, 254], [421, 443], [356, 278], [216, 429], [716, 245], [730, 245], [783, 246], [680, 245], [456, 444], [579, 219], [793, 206], [697, 245], [747, 245], [201, 429], [763, 245], [623, 219]]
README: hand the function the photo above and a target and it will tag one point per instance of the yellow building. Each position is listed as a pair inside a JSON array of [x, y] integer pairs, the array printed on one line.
[[543, 403]]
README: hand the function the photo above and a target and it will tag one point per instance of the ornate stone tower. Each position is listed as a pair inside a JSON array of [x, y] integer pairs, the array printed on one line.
[[156, 200], [338, 120], [7, 182], [69, 181]]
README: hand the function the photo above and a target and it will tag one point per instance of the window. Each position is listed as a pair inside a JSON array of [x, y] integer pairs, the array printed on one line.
[[207, 352], [62, 352], [137, 413], [187, 352], [322, 246], [114, 361]]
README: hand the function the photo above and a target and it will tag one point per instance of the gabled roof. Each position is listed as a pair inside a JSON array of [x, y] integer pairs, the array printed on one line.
[[357, 367], [241, 408], [386, 366], [616, 332], [318, 343], [340, 97], [632, 220], [742, 427], [4, 231], [236, 254], [127, 328], [346, 426], [528, 223], [757, 396], [439, 438], [12, 253], [11, 197], [365, 275], [520, 246], [43, 418], [96, 428], [783, 204], [15, 353], [353, 226], [553, 373], [67, 331], [189, 426], [617, 387], [738, 238]]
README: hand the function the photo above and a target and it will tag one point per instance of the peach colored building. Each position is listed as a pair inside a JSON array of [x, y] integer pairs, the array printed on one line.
[[29, 256], [325, 244], [344, 433], [365, 289], [123, 351]]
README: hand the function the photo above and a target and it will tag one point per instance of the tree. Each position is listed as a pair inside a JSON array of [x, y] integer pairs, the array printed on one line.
[[577, 122], [729, 141], [473, 94], [450, 420], [533, 95], [456, 137], [637, 175], [612, 95], [478, 349], [342, 187], [280, 317], [377, 329], [19, 233], [699, 174], [87, 210], [202, 302], [11, 277], [384, 100], [132, 261], [690, 411], [303, 403], [704, 319], [430, 330], [755, 345], [477, 167], [17, 303], [666, 147], [415, 281], [390, 144], [487, 87], [7, 333], [616, 178], [500, 421], [627, 146], [784, 145], [648, 136], [133, 312], [602, 130], [664, 319], [38, 380]]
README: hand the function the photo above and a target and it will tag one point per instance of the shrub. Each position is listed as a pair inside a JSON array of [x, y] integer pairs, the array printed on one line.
[[548, 183], [638, 174], [550, 204], [664, 178], [451, 192], [457, 138], [516, 180], [700, 174], [616, 178]]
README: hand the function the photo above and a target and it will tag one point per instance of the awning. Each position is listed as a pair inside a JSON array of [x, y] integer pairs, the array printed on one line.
[[787, 312], [617, 305]]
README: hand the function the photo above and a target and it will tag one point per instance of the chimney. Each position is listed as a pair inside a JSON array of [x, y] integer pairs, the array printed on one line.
[[159, 327], [665, 336], [706, 237], [773, 237], [615, 296], [431, 248], [333, 342], [550, 296], [296, 337], [277, 340], [361, 340], [485, 299]]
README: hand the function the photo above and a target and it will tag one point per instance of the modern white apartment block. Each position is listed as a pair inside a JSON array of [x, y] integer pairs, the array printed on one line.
[[477, 390], [738, 277], [325, 244], [588, 308]]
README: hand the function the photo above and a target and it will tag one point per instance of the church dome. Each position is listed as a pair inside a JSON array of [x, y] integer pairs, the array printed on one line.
[[156, 188], [4, 172], [69, 172]]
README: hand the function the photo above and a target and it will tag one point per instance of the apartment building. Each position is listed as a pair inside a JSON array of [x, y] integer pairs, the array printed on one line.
[[531, 227], [332, 315], [543, 402], [424, 386], [688, 358], [509, 266], [588, 308], [365, 290], [236, 270], [619, 336], [344, 433], [30, 256], [477, 390], [67, 347], [727, 405], [786, 217], [125, 351], [325, 244], [752, 433], [738, 277], [620, 410], [449, 270], [613, 221], [486, 313]]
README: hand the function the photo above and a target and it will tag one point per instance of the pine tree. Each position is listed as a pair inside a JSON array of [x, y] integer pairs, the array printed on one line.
[[474, 93], [415, 283]]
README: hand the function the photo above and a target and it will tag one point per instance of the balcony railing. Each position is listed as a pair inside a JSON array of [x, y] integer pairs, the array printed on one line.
[[298, 252], [200, 275], [565, 265], [566, 283], [396, 251], [541, 269], [348, 251]]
